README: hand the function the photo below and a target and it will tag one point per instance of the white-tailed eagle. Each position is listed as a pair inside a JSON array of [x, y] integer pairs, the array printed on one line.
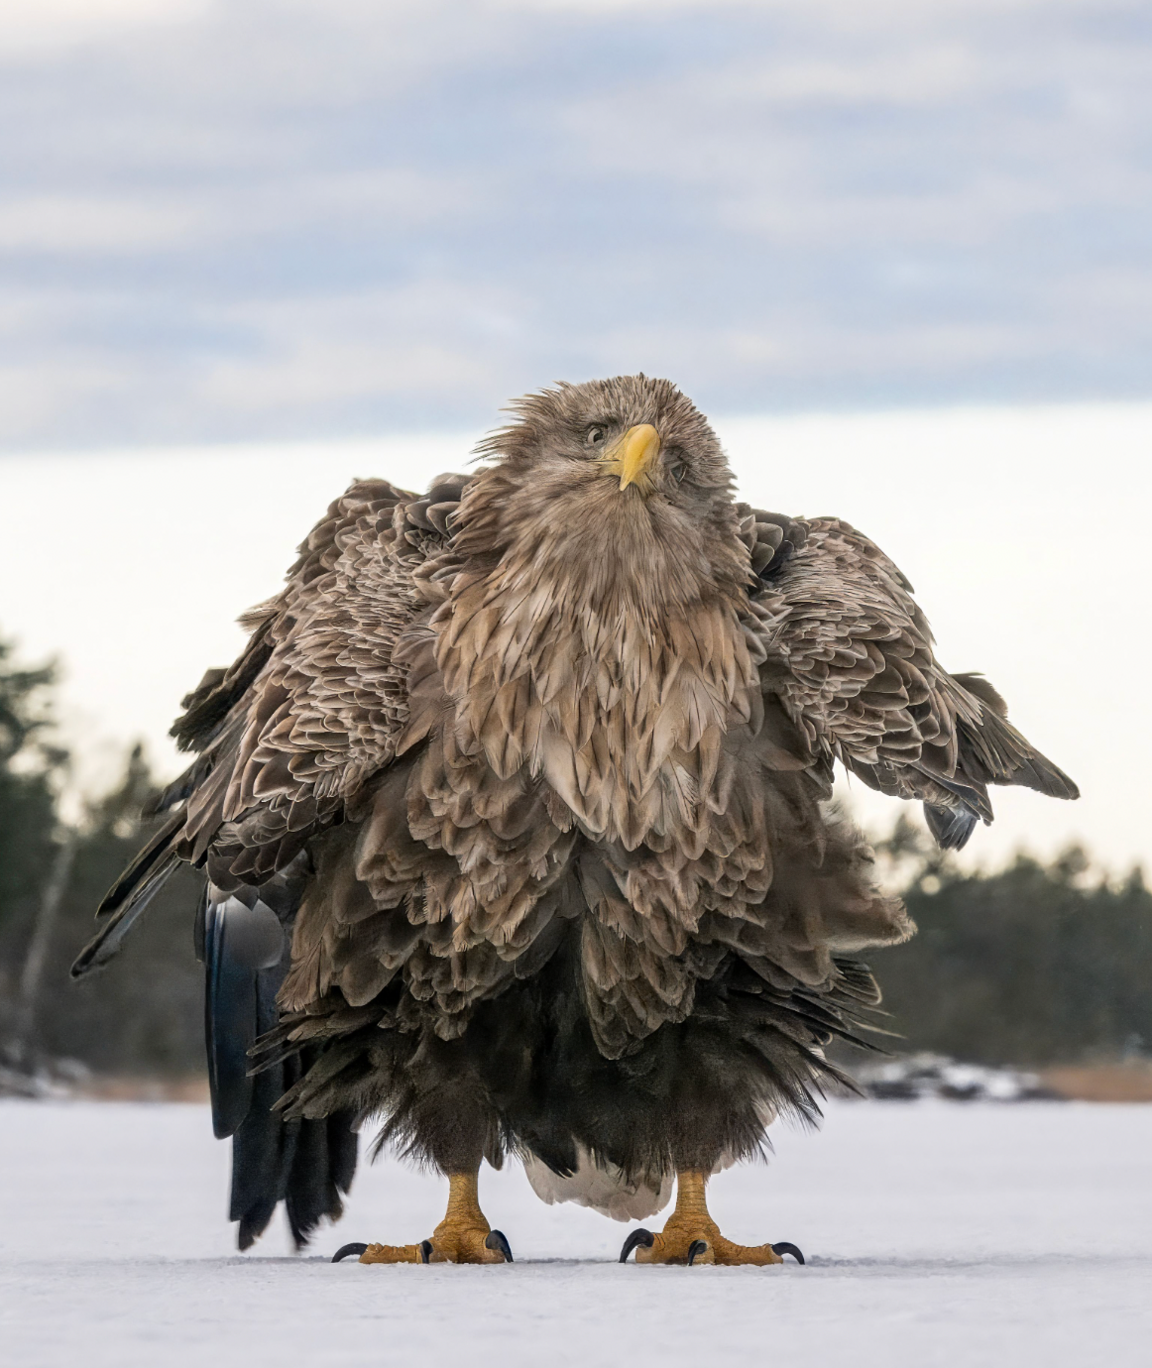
[[516, 825]]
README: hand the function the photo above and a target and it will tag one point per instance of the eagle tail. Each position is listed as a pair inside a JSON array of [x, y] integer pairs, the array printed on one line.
[[306, 1164]]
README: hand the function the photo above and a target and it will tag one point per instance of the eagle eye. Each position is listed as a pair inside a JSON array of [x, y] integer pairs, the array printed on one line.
[[594, 435], [676, 465]]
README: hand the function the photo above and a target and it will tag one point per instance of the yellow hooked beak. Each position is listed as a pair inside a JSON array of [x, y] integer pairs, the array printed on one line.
[[633, 457]]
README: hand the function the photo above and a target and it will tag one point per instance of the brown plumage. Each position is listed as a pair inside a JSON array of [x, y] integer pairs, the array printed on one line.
[[535, 770]]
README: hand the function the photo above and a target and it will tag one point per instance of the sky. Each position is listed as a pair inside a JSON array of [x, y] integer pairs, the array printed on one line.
[[900, 252], [286, 219]]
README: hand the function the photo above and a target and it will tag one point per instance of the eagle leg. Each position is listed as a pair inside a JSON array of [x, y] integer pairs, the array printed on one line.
[[691, 1236], [463, 1236]]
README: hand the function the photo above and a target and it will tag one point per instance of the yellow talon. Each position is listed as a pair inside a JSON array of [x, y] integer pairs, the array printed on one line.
[[463, 1236]]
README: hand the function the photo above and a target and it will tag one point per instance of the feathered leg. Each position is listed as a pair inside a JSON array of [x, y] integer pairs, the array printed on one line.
[[463, 1236], [691, 1236]]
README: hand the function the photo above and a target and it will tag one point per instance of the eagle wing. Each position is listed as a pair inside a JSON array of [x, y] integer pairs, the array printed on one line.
[[287, 738], [850, 655], [313, 707]]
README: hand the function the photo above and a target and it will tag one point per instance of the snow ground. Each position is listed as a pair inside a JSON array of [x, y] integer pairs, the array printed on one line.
[[937, 1234]]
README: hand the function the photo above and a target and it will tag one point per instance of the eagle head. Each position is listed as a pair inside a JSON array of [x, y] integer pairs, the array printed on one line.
[[616, 490]]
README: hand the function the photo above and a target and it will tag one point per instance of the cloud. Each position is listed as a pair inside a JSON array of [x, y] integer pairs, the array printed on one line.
[[296, 217], [94, 225], [30, 26]]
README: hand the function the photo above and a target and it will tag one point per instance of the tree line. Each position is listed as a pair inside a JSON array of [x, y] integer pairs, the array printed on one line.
[[1034, 964], [142, 1015]]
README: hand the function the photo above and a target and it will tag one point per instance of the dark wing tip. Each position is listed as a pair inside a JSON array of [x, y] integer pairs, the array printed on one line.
[[995, 751], [121, 917], [1044, 777]]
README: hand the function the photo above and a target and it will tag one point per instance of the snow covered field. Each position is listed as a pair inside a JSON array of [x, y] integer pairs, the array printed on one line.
[[937, 1234]]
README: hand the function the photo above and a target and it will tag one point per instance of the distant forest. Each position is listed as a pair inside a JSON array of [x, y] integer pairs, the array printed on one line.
[[1034, 964]]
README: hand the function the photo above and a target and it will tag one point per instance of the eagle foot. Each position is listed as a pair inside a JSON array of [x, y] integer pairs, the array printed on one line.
[[467, 1244], [690, 1235], [463, 1236]]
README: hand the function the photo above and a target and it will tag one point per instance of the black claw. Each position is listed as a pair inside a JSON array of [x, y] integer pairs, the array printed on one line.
[[498, 1240], [785, 1248], [695, 1249], [346, 1251], [425, 1251], [637, 1237]]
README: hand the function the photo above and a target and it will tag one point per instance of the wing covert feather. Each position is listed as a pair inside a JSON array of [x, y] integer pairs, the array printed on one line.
[[314, 706], [851, 656]]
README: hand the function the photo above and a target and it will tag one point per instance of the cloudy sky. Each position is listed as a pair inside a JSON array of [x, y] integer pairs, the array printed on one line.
[[254, 219]]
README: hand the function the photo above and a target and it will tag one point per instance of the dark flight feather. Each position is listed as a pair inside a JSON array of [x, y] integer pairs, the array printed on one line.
[[122, 914], [305, 1164]]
